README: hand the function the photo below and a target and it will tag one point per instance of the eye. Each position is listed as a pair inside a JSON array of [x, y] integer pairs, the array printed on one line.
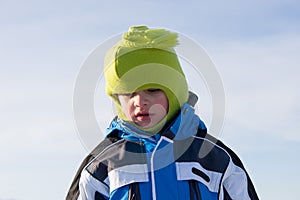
[[126, 95], [153, 90]]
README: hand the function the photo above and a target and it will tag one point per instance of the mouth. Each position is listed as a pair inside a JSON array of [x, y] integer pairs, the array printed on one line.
[[143, 116]]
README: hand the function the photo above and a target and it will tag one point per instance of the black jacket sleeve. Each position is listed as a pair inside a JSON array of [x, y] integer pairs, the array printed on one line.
[[73, 191]]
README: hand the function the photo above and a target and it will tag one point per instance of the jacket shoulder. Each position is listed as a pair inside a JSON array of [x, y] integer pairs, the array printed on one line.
[[218, 143], [73, 191], [234, 158], [118, 154], [202, 150]]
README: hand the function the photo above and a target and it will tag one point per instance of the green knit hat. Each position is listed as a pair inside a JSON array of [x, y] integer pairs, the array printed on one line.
[[145, 58]]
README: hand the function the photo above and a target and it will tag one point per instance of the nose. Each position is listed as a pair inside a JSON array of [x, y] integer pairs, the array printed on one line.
[[140, 99]]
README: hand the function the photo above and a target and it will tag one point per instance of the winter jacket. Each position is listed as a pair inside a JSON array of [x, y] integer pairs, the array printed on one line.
[[183, 162]]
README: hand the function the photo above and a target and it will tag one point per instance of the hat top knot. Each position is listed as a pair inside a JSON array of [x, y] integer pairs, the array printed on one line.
[[143, 37]]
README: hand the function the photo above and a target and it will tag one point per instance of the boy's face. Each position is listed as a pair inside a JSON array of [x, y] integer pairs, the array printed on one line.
[[145, 108]]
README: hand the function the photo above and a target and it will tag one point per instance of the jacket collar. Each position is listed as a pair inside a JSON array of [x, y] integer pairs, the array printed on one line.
[[185, 125]]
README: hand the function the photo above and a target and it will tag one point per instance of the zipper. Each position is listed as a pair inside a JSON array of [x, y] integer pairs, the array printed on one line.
[[194, 190], [152, 164], [134, 192]]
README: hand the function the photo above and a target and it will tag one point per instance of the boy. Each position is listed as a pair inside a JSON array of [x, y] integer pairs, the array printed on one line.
[[156, 147]]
